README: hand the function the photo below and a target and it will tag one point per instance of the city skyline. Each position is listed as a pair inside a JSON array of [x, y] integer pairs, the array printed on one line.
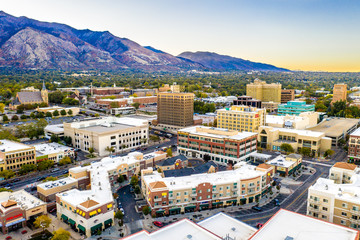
[[311, 35]]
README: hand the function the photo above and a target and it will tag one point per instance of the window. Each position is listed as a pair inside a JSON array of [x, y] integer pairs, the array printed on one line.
[[200, 198], [324, 208], [325, 200], [344, 205], [343, 222], [343, 214]]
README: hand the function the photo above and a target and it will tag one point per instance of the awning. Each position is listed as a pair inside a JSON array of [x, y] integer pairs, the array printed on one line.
[[174, 209], [72, 221], [217, 203], [204, 205], [160, 211], [64, 217], [15, 222], [82, 228], [251, 198], [231, 201], [257, 196], [96, 227], [109, 221], [190, 207]]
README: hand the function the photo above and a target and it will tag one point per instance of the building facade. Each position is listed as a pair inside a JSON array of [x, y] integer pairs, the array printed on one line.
[[217, 144], [272, 138], [302, 121], [30, 95], [174, 195], [286, 166], [247, 101], [106, 133], [13, 155], [336, 199], [53, 151], [263, 91], [175, 109], [339, 92], [241, 118], [354, 146], [295, 108], [287, 95]]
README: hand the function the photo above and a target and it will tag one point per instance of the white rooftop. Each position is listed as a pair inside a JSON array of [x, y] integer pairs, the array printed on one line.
[[298, 131], [229, 226], [180, 230], [356, 133], [300, 227], [7, 146], [24, 199], [244, 171], [57, 128], [280, 161], [239, 136], [56, 183], [51, 148]]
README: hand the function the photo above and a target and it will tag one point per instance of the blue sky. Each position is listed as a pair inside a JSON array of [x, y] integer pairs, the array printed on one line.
[[296, 34]]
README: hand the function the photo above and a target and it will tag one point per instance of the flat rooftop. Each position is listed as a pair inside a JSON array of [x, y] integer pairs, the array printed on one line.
[[217, 132], [290, 225], [50, 148], [24, 199], [307, 132], [7, 146], [356, 133], [229, 226], [57, 128], [334, 127], [57, 183], [280, 161]]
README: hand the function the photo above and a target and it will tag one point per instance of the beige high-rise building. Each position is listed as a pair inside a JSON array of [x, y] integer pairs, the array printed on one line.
[[263, 91], [241, 118], [339, 92], [175, 109]]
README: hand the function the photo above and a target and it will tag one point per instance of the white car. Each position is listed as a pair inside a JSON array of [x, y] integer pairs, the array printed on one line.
[[122, 210]]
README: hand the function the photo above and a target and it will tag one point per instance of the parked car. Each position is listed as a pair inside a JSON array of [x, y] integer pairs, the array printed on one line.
[[259, 225], [277, 202], [23, 231], [256, 208], [122, 210], [158, 224], [8, 238], [55, 170]]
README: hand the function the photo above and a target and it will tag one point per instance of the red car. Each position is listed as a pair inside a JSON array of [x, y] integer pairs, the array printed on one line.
[[259, 225], [158, 224], [8, 238], [23, 231]]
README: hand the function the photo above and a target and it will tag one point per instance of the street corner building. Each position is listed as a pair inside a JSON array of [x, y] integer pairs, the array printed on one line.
[[13, 155], [173, 195]]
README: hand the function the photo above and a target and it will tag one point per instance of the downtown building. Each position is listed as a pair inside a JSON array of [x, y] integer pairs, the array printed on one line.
[[295, 108], [121, 134], [241, 118], [337, 199], [218, 144], [175, 110], [13, 155], [263, 91], [354, 146], [339, 92], [174, 195]]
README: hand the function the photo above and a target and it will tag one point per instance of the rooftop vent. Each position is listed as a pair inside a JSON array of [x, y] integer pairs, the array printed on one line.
[[233, 229], [189, 236], [289, 238]]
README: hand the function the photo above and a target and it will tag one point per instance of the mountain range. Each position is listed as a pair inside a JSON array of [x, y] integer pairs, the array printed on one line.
[[30, 44]]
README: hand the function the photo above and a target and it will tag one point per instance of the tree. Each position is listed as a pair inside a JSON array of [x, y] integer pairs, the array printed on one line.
[[42, 221], [169, 152], [119, 215], [32, 115], [40, 115], [66, 160], [134, 180], [136, 105], [5, 190], [70, 112], [2, 107], [14, 118], [44, 165], [287, 148], [329, 153], [5, 118], [137, 189], [305, 151], [51, 178], [48, 114], [56, 97], [91, 151], [120, 179], [159, 170], [7, 174], [63, 112], [24, 169], [54, 138], [23, 117], [146, 210], [61, 234], [154, 138], [110, 149], [56, 113], [67, 140]]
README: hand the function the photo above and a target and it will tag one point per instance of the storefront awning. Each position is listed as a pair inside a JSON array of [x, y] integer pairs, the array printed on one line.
[[174, 209], [15, 222], [160, 211], [217, 203], [231, 201], [190, 207], [82, 228], [72, 222], [96, 227], [64, 217], [204, 205], [109, 221]]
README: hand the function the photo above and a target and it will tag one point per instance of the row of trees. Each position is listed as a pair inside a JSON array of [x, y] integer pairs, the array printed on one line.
[[201, 107], [285, 147]]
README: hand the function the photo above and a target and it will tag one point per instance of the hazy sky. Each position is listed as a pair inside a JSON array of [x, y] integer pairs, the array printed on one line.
[[295, 34]]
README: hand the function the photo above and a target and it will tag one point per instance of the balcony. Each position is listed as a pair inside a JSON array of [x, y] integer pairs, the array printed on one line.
[[316, 210], [314, 201]]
